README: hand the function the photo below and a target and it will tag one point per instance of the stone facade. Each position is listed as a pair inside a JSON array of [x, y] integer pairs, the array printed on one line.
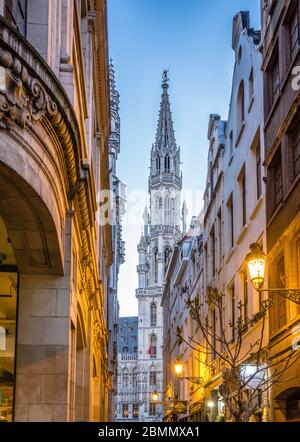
[[127, 400], [281, 55], [54, 124], [184, 278], [244, 188], [233, 218], [118, 245]]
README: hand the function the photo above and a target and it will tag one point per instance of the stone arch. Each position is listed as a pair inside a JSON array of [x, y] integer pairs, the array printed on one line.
[[285, 400], [28, 218]]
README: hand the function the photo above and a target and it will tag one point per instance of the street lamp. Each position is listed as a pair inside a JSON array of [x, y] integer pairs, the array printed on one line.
[[154, 396], [210, 404], [256, 261], [178, 367]]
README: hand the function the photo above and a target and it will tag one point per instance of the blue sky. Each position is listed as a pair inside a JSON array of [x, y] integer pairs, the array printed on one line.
[[192, 38]]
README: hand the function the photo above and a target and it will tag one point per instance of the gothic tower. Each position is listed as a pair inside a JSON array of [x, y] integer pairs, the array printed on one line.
[[161, 231]]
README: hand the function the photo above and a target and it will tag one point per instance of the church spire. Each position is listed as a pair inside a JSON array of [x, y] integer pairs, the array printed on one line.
[[165, 137]]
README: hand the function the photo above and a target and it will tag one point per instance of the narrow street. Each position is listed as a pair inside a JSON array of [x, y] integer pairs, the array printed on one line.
[[149, 216]]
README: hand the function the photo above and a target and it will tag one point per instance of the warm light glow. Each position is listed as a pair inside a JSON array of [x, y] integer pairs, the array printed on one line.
[[155, 396], [178, 368], [256, 260], [210, 404]]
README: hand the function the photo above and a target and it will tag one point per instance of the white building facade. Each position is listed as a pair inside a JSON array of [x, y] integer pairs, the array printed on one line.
[[161, 231], [183, 281], [244, 186], [127, 406]]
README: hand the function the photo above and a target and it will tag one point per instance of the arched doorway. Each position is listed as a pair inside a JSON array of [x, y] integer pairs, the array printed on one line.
[[288, 402], [31, 272]]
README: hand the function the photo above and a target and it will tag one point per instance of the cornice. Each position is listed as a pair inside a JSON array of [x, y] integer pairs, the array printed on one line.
[[33, 92]]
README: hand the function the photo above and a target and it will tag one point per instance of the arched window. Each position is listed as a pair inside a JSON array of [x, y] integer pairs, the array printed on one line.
[[152, 377], [134, 378], [240, 53], [157, 163], [172, 211], [167, 163], [152, 348], [125, 377], [155, 266], [153, 314], [169, 211], [167, 254], [240, 106]]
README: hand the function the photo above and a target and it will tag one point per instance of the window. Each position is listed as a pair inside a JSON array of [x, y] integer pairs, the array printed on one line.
[[244, 199], [16, 13], [125, 377], [231, 220], [152, 378], [213, 251], [167, 254], [294, 34], [153, 314], [232, 295], [167, 163], [251, 87], [276, 186], [8, 321], [275, 78], [169, 211], [245, 301], [258, 172], [158, 163], [134, 378], [278, 311], [296, 152], [152, 409], [230, 144], [293, 406], [135, 410], [152, 348], [156, 266], [240, 106], [214, 337], [125, 410], [211, 179], [240, 53], [220, 235], [125, 349], [278, 183]]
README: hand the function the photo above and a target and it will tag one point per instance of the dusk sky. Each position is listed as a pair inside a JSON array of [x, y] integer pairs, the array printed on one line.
[[191, 38]]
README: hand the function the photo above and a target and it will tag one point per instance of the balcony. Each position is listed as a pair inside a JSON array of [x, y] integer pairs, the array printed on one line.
[[165, 178], [127, 357]]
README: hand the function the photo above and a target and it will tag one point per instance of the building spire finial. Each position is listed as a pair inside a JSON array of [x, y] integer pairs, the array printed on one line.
[[165, 137], [165, 78]]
